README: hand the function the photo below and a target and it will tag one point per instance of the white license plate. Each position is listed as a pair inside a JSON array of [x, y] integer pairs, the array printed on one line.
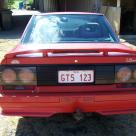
[[76, 76]]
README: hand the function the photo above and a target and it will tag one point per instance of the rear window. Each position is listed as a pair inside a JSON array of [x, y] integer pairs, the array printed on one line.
[[68, 28]]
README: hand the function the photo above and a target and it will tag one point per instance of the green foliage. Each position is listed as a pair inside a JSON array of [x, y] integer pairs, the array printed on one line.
[[13, 4], [10, 3], [30, 1]]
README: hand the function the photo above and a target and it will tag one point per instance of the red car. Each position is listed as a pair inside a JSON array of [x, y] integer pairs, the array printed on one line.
[[68, 62]]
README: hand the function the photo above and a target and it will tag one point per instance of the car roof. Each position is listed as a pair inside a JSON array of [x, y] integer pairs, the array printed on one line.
[[80, 13]]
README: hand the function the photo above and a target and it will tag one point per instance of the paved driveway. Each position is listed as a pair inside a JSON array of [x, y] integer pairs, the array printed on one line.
[[62, 125]]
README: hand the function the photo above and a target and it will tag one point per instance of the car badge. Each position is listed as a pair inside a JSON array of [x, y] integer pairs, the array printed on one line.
[[130, 60]]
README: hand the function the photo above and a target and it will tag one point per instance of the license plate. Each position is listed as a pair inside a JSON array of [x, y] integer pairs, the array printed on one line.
[[76, 76]]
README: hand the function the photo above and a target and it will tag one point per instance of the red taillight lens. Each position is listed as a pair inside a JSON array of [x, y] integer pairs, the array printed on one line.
[[26, 76], [123, 74], [8, 76], [18, 76]]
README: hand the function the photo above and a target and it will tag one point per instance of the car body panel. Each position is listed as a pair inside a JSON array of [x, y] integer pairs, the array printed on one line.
[[47, 105]]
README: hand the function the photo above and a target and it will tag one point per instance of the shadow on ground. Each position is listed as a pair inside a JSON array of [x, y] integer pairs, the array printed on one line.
[[61, 125], [129, 38], [18, 25], [12, 34]]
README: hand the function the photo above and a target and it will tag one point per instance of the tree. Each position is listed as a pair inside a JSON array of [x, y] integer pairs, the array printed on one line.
[[10, 3]]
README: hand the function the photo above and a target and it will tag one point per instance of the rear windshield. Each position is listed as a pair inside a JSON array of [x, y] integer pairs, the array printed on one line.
[[67, 28]]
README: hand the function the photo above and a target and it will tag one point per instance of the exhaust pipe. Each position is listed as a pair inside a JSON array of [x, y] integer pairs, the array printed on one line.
[[78, 115]]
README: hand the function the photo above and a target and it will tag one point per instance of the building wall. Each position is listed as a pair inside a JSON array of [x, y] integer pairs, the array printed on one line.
[[80, 5], [128, 18], [3, 4], [112, 3], [129, 4], [50, 5], [113, 15], [70, 5], [135, 21]]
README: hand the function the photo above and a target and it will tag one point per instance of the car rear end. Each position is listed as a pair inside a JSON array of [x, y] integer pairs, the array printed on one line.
[[63, 77]]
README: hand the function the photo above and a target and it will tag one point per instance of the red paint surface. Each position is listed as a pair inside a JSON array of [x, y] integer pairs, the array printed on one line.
[[46, 101]]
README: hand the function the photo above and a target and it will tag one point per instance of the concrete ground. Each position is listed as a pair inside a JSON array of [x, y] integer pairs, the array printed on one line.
[[61, 125], [9, 40], [16, 12]]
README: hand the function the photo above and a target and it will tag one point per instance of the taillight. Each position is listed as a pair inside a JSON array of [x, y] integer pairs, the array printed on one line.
[[125, 74], [27, 76], [18, 76], [8, 76], [134, 74]]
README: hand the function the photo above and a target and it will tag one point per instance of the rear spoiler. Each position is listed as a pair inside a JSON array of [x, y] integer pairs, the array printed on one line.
[[90, 52]]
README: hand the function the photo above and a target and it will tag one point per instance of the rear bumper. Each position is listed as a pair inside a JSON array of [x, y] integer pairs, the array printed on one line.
[[46, 105]]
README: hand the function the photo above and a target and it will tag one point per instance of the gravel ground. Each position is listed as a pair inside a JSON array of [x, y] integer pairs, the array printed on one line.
[[61, 125], [65, 125]]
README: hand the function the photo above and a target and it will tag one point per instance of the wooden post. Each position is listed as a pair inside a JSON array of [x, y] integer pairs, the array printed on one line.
[[118, 3]]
